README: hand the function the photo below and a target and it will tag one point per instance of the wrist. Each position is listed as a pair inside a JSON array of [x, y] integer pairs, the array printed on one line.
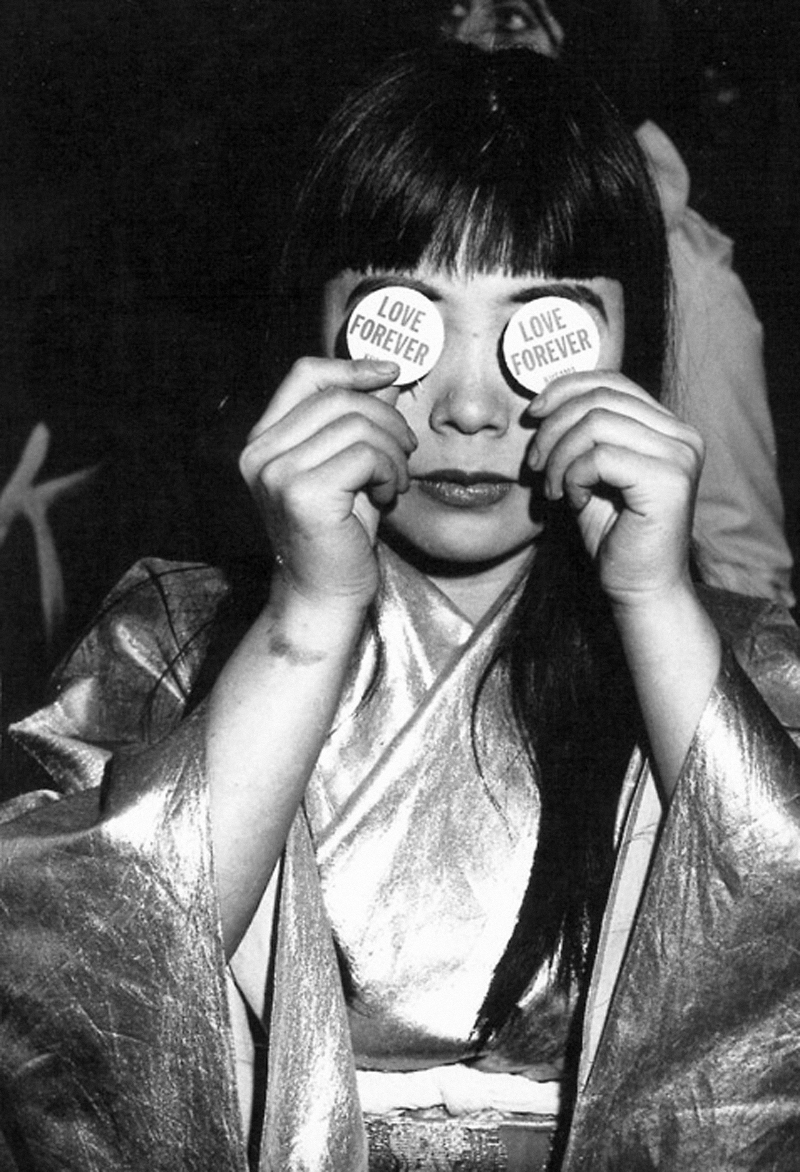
[[656, 603], [312, 625], [668, 626], [673, 652]]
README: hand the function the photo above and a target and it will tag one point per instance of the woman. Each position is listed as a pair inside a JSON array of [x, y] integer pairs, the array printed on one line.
[[430, 822], [739, 516]]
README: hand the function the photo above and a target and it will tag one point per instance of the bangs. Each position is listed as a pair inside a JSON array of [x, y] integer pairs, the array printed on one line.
[[503, 181], [457, 227], [474, 162]]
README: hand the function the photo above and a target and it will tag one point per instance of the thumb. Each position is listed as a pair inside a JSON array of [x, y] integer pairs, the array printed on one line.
[[389, 394], [368, 516]]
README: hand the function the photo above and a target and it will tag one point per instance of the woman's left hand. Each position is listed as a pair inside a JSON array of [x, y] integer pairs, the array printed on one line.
[[629, 469]]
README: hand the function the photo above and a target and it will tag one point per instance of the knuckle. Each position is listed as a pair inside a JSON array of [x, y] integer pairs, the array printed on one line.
[[305, 367], [601, 454], [253, 463], [596, 415], [275, 476], [690, 458], [353, 423], [343, 405], [248, 464], [678, 483], [688, 434], [597, 400], [362, 449]]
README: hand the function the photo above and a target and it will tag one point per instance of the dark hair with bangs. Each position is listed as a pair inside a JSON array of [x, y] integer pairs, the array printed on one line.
[[475, 161], [481, 161]]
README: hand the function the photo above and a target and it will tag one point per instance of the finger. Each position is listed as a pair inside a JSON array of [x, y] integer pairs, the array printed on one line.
[[603, 404], [568, 386], [310, 375], [601, 427], [324, 410], [351, 470], [277, 472], [646, 485]]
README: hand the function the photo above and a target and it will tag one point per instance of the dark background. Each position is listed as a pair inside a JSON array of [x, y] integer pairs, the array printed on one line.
[[148, 153]]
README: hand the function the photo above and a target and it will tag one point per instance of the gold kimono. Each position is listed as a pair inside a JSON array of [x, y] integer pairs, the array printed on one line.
[[116, 1047]]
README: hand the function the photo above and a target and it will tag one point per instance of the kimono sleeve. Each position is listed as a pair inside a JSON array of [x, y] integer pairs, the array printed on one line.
[[699, 1062], [126, 684], [115, 1046]]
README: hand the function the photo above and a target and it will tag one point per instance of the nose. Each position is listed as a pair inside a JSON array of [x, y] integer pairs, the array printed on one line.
[[469, 392], [472, 23]]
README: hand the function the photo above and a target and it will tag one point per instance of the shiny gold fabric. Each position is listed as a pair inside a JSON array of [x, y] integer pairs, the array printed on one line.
[[699, 1063], [115, 1046], [312, 1119], [423, 858], [425, 861], [109, 1037]]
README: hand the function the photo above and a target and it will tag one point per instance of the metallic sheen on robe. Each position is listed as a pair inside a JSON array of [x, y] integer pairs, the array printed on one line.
[[115, 1047]]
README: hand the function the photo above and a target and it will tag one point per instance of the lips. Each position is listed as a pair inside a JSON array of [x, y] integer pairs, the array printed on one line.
[[464, 490]]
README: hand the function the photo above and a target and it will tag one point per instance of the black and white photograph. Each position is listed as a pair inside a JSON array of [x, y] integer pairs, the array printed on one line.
[[399, 542]]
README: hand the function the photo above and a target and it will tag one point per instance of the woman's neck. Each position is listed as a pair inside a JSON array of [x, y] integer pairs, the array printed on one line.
[[475, 593]]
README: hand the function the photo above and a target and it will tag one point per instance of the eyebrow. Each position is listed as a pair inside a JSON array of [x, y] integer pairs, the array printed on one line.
[[582, 294], [572, 291], [382, 280]]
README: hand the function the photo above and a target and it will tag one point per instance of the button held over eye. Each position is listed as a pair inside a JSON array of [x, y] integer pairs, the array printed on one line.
[[548, 337], [397, 324]]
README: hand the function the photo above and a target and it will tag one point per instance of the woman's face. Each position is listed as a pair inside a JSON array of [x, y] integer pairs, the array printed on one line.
[[472, 499], [497, 24]]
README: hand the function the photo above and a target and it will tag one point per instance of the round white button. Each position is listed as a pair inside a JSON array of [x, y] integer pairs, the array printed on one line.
[[548, 337], [399, 325]]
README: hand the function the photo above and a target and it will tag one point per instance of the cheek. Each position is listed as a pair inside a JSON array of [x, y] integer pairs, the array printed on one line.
[[615, 339], [328, 336], [612, 349]]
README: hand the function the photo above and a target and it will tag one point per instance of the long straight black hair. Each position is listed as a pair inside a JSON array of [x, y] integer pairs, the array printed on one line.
[[476, 161]]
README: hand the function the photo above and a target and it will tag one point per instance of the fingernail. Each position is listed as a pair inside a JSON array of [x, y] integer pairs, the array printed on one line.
[[534, 456], [381, 367], [535, 406]]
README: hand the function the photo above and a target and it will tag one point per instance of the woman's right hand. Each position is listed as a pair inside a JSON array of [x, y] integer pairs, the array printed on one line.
[[327, 454], [330, 451]]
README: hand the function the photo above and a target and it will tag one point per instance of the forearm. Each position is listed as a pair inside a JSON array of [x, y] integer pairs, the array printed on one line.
[[269, 714], [674, 653]]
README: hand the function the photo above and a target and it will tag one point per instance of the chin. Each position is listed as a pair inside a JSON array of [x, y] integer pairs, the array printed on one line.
[[459, 540], [452, 553]]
